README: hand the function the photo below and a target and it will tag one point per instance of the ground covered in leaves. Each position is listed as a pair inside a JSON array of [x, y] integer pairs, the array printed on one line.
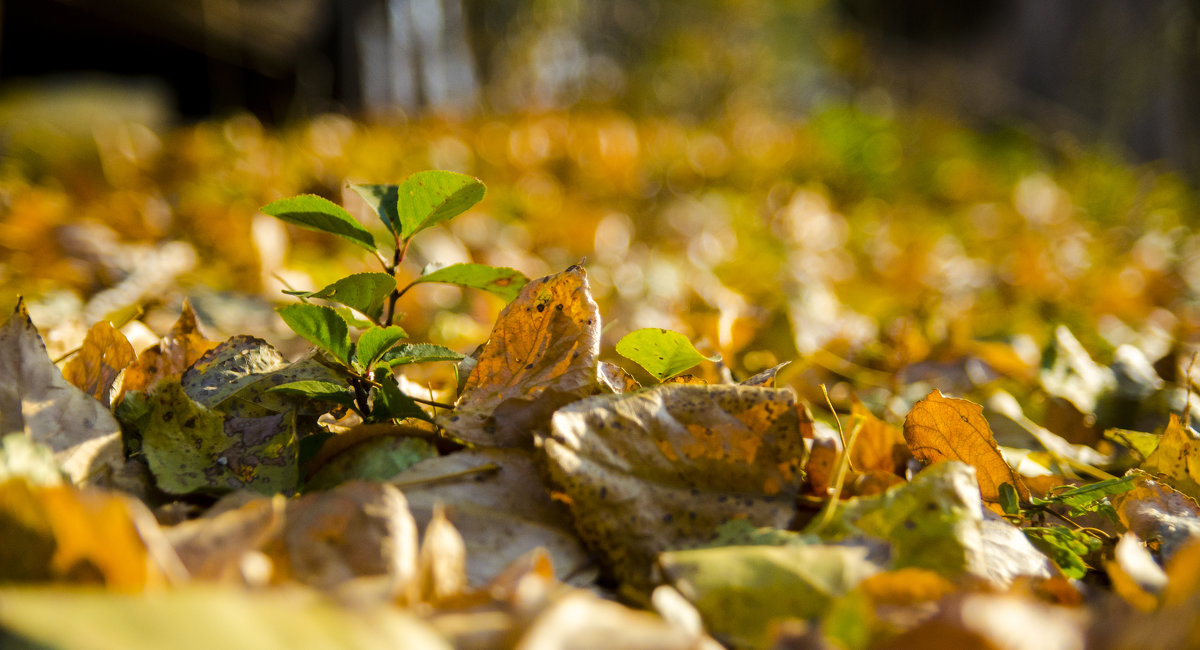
[[952, 400]]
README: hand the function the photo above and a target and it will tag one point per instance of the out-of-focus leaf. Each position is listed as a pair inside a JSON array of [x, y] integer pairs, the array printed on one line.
[[82, 536], [1141, 443], [357, 529], [382, 200], [740, 590], [1064, 546], [407, 353], [377, 458], [20, 456], [201, 618], [993, 621], [879, 445], [317, 213], [442, 562], [37, 402], [542, 354], [1177, 459], [95, 368], [1164, 517], [615, 379], [673, 462], [321, 326], [375, 342], [430, 197], [190, 447], [941, 428], [502, 513], [1135, 575], [364, 292], [580, 614], [662, 353], [1085, 495], [503, 282], [213, 547], [175, 353], [766, 378]]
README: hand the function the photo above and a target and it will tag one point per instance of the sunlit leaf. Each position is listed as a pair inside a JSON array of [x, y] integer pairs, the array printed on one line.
[[95, 368], [542, 354], [317, 213], [365, 292], [943, 428], [321, 326], [1177, 458], [175, 353], [1158, 513], [375, 342], [503, 282], [662, 353], [20, 456], [428, 198], [325, 391], [407, 353]]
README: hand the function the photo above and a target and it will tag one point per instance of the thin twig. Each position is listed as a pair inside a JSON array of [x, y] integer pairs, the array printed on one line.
[[429, 402], [489, 467]]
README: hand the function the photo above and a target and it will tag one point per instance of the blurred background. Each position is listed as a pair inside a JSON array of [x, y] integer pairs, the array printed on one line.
[[885, 192]]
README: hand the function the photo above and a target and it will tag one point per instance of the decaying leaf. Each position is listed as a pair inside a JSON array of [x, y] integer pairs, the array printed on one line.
[[37, 401], [1162, 516], [191, 447], [1177, 459], [213, 547], [541, 355], [103, 356], [174, 354], [672, 462], [442, 562], [615, 379], [945, 428]]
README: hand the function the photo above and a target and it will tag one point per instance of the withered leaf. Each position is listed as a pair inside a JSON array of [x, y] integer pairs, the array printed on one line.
[[542, 354], [175, 353], [1177, 458], [95, 368], [661, 468], [879, 445], [442, 562], [36, 401], [945, 428], [1162, 516], [213, 546]]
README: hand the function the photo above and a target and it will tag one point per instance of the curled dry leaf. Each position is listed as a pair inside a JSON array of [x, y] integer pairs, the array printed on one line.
[[671, 463], [1162, 516], [442, 562], [95, 368], [541, 355], [174, 354], [1177, 458], [945, 428], [37, 401]]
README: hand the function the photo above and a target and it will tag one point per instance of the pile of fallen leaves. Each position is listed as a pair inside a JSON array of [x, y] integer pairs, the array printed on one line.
[[157, 492]]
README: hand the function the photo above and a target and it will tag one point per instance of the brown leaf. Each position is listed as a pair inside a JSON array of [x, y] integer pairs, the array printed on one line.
[[944, 428], [442, 563], [36, 401], [542, 354], [213, 547], [879, 445], [99, 362], [662, 467], [174, 354], [615, 379], [1162, 516]]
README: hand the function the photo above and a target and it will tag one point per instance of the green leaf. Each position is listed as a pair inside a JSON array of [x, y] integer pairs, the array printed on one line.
[[391, 403], [376, 341], [322, 326], [428, 198], [365, 292], [383, 200], [1065, 547], [316, 213], [1084, 496], [325, 391], [662, 353], [407, 353], [1009, 501], [376, 459], [503, 282]]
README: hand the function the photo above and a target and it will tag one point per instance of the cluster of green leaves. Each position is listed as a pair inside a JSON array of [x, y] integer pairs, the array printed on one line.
[[423, 200]]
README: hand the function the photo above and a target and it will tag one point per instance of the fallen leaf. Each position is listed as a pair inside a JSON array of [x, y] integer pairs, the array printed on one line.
[[1135, 575], [213, 547], [36, 401], [766, 378], [103, 356], [1177, 458], [879, 445], [442, 561], [941, 428], [615, 379], [661, 468], [377, 458], [541, 355], [20, 456], [581, 617], [175, 353], [1162, 516]]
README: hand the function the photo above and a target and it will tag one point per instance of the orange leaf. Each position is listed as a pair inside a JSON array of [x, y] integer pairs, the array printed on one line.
[[104, 354], [944, 428], [175, 353], [542, 355], [879, 445]]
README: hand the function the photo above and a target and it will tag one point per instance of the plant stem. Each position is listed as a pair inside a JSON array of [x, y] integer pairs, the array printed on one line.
[[397, 258], [429, 402]]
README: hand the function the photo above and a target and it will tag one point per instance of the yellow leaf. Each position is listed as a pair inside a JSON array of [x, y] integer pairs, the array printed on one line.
[[104, 354], [175, 353], [879, 445], [944, 428], [1177, 459]]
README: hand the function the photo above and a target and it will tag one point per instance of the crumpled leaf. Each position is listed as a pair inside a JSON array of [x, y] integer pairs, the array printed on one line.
[[1177, 458], [766, 378], [191, 447], [615, 380], [937, 522], [213, 547], [945, 428], [542, 354], [175, 353], [1135, 575], [500, 281], [103, 356], [661, 352], [1162, 516], [201, 617], [499, 504], [61, 533], [740, 590], [36, 401], [672, 462]]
